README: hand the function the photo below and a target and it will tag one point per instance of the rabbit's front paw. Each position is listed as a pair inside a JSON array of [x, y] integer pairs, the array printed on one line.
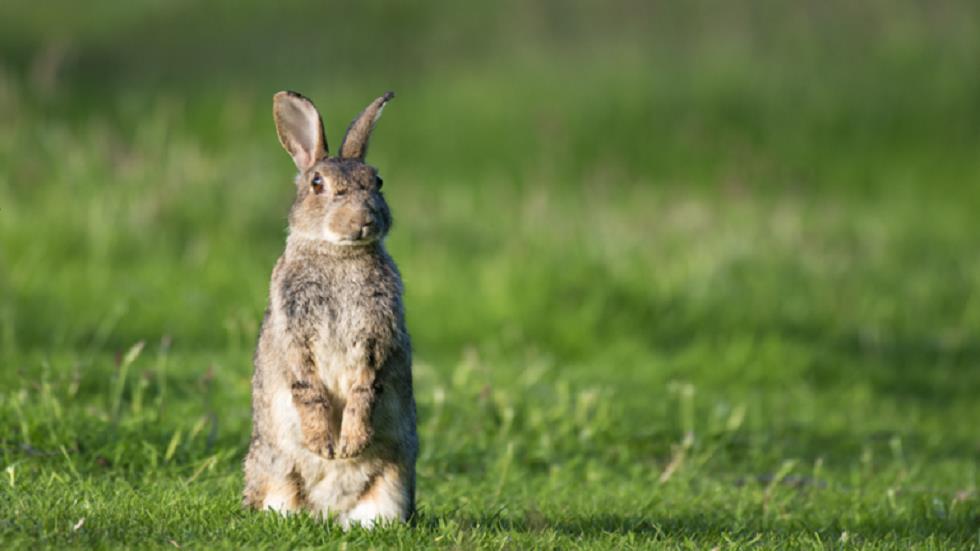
[[322, 445], [353, 441]]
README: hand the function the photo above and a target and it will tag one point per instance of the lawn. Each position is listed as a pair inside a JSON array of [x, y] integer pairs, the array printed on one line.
[[683, 277]]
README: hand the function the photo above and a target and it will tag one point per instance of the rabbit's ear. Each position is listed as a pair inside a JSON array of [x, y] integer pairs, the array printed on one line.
[[300, 128], [355, 141]]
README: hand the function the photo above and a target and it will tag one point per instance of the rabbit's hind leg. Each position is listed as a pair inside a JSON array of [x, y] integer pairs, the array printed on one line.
[[389, 498], [271, 483]]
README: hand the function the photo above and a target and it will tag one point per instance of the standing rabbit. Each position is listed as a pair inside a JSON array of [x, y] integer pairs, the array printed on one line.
[[333, 411]]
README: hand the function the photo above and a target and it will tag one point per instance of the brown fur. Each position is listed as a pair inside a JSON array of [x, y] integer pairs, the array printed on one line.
[[333, 409]]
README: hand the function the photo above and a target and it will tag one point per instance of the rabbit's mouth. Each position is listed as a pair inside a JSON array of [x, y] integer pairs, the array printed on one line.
[[348, 242], [365, 236], [360, 238]]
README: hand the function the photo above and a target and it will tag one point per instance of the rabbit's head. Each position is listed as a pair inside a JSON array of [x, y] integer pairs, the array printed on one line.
[[338, 199]]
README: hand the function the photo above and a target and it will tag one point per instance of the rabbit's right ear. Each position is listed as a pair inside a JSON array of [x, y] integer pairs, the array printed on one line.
[[300, 128]]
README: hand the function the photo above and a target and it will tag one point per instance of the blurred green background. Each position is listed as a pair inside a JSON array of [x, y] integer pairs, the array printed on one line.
[[682, 273]]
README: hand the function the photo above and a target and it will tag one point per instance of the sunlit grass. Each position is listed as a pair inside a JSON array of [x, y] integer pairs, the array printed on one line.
[[677, 289]]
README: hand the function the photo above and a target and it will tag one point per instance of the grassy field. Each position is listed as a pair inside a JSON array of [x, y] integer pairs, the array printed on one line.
[[695, 277]]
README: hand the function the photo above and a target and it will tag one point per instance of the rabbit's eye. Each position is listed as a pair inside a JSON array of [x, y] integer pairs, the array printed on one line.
[[317, 183], [379, 181]]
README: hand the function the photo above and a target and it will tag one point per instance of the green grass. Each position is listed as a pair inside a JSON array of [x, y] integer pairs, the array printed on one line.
[[677, 278]]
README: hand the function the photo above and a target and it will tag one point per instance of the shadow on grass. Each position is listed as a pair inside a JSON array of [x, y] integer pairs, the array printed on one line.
[[705, 525]]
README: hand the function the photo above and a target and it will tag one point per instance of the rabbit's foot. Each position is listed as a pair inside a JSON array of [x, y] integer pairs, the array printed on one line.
[[321, 444], [353, 440]]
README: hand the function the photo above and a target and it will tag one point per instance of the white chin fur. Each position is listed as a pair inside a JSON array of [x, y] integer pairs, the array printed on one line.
[[342, 242], [333, 238]]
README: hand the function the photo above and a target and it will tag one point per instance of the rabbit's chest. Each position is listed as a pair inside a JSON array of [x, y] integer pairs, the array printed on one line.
[[334, 314], [318, 309], [342, 319]]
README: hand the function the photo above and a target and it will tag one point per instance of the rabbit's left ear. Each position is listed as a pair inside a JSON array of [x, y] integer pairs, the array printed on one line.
[[355, 141], [300, 128]]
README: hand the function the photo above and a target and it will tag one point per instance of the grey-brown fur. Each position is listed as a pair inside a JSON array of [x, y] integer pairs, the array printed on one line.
[[333, 410]]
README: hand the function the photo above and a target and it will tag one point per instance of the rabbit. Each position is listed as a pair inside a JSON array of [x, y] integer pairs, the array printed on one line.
[[334, 429]]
